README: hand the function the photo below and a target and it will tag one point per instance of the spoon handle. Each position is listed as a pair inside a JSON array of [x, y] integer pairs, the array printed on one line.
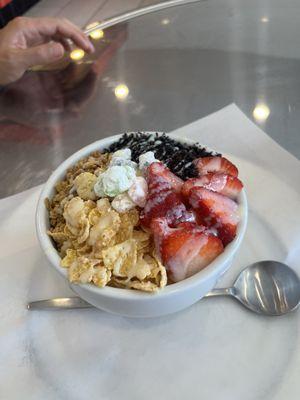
[[76, 302], [221, 292], [59, 303]]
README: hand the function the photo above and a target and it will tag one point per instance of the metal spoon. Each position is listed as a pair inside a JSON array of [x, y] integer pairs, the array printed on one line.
[[265, 287]]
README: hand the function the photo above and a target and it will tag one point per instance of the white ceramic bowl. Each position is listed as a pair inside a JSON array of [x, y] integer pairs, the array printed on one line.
[[127, 302]]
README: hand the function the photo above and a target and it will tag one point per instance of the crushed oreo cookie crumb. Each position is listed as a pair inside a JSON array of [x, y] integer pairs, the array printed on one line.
[[175, 155]]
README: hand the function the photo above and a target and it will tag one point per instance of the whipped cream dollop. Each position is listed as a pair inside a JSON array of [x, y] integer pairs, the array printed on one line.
[[123, 153], [122, 203], [146, 159], [121, 176], [138, 191], [122, 158], [122, 162], [115, 180]]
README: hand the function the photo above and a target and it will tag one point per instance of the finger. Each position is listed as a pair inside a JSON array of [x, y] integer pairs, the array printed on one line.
[[65, 29], [64, 42], [21, 28], [43, 54], [76, 35], [56, 38]]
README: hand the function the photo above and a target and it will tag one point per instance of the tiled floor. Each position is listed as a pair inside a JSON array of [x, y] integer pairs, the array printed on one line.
[[93, 10]]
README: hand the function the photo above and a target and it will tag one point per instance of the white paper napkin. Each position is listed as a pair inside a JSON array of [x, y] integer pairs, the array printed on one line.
[[214, 349]]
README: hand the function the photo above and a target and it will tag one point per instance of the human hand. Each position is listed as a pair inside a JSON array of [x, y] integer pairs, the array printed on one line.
[[26, 42]]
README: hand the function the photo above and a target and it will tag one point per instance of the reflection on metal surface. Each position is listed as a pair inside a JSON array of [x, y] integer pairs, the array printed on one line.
[[97, 34], [92, 25], [252, 76], [264, 19], [121, 91], [261, 112], [268, 287], [259, 291], [165, 21], [280, 300], [265, 287], [41, 108], [139, 12], [77, 54]]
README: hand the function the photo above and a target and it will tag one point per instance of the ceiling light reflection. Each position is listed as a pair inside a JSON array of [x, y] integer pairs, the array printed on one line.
[[165, 21], [261, 112], [77, 54], [264, 19], [121, 91], [97, 34]]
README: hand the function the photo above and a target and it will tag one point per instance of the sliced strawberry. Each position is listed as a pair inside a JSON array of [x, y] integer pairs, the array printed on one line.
[[184, 250], [232, 187], [215, 164], [189, 184], [163, 200], [165, 204], [217, 211], [227, 185], [165, 174]]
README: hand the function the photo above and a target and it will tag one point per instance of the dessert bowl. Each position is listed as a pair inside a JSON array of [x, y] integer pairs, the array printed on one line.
[[126, 302]]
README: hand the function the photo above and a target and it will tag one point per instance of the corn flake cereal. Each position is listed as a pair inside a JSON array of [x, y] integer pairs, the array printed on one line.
[[103, 233], [59, 237], [142, 238], [70, 257], [97, 244], [148, 275], [81, 270], [121, 257], [74, 215], [101, 276], [128, 221], [84, 185]]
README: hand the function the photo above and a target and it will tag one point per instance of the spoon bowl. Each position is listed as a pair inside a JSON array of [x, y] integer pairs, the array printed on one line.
[[268, 287], [265, 287]]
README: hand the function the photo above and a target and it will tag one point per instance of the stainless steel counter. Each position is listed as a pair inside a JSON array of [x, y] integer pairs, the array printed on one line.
[[158, 71]]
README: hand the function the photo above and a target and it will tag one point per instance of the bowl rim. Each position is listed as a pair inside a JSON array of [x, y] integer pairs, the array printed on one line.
[[218, 266]]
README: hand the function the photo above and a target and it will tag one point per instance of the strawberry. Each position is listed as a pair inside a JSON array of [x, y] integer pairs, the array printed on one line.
[[217, 211], [158, 169], [215, 164], [165, 204], [227, 185], [164, 198], [184, 250]]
